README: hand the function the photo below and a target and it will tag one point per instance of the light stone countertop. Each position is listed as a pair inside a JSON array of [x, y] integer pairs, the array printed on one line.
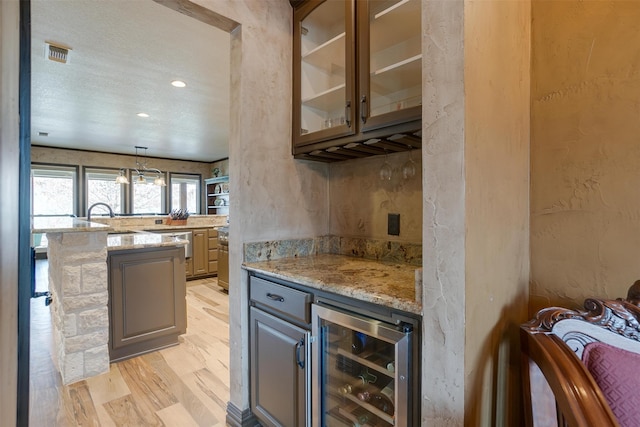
[[383, 283], [140, 240], [127, 240], [65, 224]]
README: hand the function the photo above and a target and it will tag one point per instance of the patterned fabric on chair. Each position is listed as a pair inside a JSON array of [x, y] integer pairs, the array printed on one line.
[[580, 368], [616, 373]]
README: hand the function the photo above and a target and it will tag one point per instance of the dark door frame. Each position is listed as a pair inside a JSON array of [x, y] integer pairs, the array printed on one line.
[[25, 274]]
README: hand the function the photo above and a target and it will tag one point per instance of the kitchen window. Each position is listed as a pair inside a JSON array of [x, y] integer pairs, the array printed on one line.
[[147, 198], [101, 186], [185, 192], [53, 190]]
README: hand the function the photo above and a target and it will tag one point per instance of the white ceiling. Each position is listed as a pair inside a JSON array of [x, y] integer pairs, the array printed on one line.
[[124, 55]]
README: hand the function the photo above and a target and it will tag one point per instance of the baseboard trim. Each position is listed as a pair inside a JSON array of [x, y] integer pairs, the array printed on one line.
[[239, 418]]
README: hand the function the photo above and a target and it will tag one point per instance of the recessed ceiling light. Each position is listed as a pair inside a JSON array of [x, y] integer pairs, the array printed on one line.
[[142, 115], [178, 83]]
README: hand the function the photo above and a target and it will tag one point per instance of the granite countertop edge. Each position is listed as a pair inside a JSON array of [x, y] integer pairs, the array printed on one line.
[[294, 270]]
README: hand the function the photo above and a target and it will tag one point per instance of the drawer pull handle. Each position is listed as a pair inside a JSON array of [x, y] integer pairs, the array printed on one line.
[[299, 345], [275, 297]]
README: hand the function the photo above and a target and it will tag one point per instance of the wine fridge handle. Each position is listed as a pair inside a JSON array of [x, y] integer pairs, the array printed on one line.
[[299, 345], [307, 375]]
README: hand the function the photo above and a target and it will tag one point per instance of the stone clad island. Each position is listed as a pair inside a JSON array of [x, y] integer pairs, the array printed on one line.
[[79, 286]]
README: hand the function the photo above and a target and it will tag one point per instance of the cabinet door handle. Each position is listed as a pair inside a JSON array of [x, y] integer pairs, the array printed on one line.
[[299, 345], [347, 113], [275, 297], [363, 109]]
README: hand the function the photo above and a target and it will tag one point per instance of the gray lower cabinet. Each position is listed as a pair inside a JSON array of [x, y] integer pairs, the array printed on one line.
[[280, 355], [147, 306]]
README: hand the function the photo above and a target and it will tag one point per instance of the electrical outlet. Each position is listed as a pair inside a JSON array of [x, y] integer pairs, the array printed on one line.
[[393, 224], [158, 221]]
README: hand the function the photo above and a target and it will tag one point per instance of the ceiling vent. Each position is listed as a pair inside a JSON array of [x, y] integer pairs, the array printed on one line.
[[57, 53]]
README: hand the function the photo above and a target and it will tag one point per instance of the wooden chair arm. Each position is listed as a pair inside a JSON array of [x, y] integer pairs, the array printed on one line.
[[578, 397]]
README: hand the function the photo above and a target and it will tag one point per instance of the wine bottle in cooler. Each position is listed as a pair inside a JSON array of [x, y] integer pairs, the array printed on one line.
[[359, 343], [382, 400], [354, 388]]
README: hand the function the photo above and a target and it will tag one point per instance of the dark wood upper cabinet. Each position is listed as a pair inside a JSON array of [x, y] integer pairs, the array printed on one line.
[[357, 70]]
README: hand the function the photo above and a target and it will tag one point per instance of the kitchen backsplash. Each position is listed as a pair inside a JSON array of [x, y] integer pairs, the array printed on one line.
[[381, 250], [149, 222]]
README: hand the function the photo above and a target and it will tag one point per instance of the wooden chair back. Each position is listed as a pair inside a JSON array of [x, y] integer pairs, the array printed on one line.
[[558, 389]]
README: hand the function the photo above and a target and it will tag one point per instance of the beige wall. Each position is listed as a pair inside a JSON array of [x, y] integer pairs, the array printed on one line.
[[476, 211], [41, 154], [585, 202], [9, 156], [359, 201], [274, 196], [443, 203], [497, 84], [96, 159]]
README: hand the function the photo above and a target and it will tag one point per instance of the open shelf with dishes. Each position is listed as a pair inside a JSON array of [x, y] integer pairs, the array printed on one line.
[[217, 195]]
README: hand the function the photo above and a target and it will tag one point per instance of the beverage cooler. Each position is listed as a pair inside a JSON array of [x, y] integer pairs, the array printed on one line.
[[364, 368]]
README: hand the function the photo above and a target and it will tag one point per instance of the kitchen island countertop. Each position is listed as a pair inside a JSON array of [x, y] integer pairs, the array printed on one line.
[[140, 240], [65, 224], [383, 283]]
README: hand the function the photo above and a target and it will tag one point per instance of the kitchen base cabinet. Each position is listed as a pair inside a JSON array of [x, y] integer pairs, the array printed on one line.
[[213, 251], [147, 305], [277, 381], [223, 266], [361, 369], [203, 261], [200, 257], [280, 354]]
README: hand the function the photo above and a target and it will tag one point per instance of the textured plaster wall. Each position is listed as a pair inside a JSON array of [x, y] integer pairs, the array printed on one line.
[[9, 161], [443, 214], [476, 213], [496, 127], [360, 201], [95, 159], [274, 196], [585, 202]]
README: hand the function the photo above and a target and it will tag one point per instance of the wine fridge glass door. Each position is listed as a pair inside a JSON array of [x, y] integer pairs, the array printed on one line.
[[360, 370]]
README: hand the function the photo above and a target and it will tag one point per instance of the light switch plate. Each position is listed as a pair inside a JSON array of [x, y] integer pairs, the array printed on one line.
[[393, 224]]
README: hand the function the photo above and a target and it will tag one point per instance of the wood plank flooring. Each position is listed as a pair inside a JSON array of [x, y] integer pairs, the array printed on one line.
[[184, 385]]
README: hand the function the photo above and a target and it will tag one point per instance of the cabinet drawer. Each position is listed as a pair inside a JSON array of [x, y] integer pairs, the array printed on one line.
[[213, 254], [291, 302], [213, 234]]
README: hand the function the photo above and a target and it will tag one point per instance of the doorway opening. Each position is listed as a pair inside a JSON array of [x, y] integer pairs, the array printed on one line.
[[194, 12]]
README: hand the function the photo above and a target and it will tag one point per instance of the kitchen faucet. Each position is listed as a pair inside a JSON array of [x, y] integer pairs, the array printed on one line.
[[111, 214]]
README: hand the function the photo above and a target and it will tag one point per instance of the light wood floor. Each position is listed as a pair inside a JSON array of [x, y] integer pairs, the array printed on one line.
[[185, 385]]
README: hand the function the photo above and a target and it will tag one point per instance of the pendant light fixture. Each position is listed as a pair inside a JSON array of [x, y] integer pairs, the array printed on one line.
[[142, 170], [122, 178]]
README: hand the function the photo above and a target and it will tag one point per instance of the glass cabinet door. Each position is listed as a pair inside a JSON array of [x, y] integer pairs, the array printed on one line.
[[323, 70], [362, 368], [390, 61]]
